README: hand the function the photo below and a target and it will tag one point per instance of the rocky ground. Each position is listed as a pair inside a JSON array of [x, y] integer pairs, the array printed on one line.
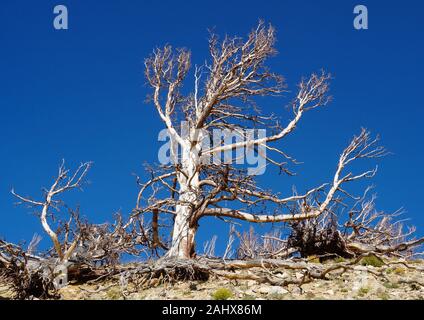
[[393, 281]]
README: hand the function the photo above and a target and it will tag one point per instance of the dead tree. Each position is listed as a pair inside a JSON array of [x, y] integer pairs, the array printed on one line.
[[201, 181], [76, 240], [224, 96], [85, 250], [104, 244], [65, 181], [27, 275], [370, 230]]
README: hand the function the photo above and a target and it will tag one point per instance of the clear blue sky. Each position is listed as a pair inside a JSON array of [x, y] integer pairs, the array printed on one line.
[[79, 94]]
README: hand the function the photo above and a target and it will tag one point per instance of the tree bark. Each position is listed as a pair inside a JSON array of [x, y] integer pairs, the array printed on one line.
[[185, 226], [183, 238]]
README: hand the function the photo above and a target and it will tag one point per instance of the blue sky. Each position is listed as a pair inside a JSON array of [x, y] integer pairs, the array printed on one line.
[[79, 94]]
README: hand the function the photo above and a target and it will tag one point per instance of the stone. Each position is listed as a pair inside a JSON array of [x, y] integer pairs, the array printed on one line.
[[299, 275], [251, 283], [282, 275], [366, 281], [271, 290], [263, 290], [277, 290], [249, 292], [297, 290]]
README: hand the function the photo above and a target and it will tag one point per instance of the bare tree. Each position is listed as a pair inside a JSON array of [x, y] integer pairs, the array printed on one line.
[[65, 181], [86, 250], [202, 181], [76, 238], [232, 80]]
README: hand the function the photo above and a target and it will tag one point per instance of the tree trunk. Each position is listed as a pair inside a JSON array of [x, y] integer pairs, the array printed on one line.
[[184, 230], [183, 237]]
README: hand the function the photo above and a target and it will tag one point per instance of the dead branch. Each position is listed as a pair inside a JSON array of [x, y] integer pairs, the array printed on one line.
[[65, 181]]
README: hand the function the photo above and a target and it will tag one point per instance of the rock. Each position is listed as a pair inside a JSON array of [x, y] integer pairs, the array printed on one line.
[[263, 290], [297, 290], [366, 281], [251, 283], [249, 292], [330, 292], [282, 275], [271, 290], [277, 290], [299, 275]]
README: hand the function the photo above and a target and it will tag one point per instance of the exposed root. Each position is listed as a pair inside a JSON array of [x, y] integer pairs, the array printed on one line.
[[276, 272], [165, 271], [27, 275], [271, 271]]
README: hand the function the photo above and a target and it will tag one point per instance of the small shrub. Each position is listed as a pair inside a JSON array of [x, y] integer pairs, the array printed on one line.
[[363, 291], [248, 297], [222, 294], [339, 260], [314, 259], [399, 271], [114, 294], [372, 261]]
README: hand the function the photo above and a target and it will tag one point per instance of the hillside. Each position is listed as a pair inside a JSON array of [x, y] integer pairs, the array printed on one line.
[[392, 281]]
